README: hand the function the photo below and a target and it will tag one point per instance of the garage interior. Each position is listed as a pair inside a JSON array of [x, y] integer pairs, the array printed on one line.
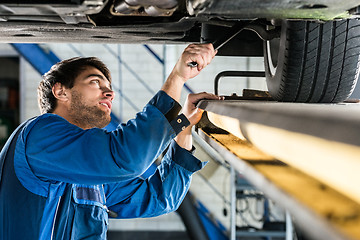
[[250, 189]]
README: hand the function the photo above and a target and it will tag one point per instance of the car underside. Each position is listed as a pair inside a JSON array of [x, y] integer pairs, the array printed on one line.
[[160, 21], [310, 48]]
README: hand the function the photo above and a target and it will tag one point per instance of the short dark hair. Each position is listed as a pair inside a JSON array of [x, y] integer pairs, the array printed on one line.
[[65, 72]]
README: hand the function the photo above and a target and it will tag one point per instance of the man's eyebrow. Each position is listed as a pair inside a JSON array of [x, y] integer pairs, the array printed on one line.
[[94, 75], [99, 76]]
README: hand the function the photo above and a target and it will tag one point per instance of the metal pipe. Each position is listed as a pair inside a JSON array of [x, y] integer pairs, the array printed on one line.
[[144, 7], [289, 226], [235, 74], [124, 8], [164, 4], [233, 204], [191, 220]]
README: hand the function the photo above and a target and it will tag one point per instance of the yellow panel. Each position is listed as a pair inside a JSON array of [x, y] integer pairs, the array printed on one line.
[[334, 163], [338, 210]]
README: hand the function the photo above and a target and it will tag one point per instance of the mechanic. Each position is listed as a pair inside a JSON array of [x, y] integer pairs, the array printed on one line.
[[62, 175]]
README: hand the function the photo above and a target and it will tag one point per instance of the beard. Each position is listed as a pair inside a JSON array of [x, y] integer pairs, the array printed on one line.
[[86, 116]]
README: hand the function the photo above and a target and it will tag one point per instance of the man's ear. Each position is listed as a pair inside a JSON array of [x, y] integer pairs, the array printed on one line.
[[59, 92]]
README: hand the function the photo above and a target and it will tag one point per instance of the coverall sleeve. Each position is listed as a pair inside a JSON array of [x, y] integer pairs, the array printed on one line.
[[161, 193], [57, 150]]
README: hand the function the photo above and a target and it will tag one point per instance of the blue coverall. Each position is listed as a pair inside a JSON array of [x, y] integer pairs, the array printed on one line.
[[58, 181]]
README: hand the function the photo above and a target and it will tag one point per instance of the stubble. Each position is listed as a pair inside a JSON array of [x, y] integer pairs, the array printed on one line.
[[87, 116]]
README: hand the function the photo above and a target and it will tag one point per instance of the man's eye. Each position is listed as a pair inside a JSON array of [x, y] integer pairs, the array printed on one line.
[[96, 82]]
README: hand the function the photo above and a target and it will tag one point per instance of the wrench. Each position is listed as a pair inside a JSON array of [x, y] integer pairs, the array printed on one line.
[[233, 31]]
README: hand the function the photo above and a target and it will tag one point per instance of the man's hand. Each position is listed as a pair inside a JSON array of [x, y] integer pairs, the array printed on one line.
[[202, 54], [193, 114], [190, 110]]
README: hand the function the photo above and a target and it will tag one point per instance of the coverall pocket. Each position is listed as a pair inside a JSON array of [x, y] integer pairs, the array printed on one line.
[[90, 217]]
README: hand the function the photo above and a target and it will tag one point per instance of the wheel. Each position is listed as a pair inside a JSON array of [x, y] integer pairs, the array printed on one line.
[[312, 61]]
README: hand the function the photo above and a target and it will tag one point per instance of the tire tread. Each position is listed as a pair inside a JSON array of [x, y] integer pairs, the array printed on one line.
[[329, 58]]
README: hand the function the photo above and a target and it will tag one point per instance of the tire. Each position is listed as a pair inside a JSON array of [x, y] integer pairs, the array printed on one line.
[[313, 62]]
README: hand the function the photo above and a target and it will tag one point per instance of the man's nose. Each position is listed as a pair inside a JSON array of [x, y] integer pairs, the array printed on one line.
[[109, 94]]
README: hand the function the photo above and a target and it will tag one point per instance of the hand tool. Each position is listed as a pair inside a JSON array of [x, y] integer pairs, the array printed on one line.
[[233, 31]]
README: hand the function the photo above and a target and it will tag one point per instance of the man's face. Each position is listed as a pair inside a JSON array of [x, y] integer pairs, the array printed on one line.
[[91, 99]]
